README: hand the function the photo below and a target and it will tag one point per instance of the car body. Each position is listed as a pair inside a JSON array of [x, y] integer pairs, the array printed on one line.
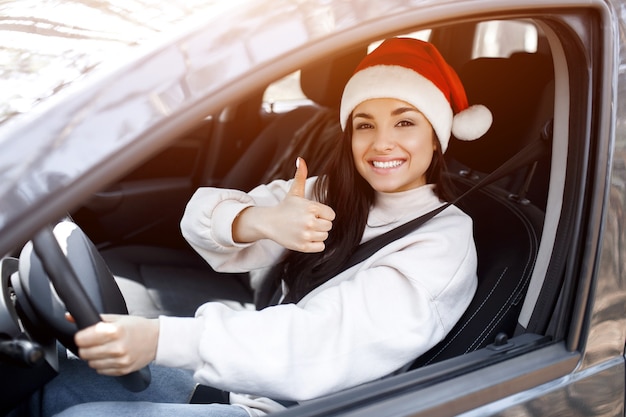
[[123, 142]]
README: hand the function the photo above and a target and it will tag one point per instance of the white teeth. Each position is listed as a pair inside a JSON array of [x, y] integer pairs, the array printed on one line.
[[386, 164]]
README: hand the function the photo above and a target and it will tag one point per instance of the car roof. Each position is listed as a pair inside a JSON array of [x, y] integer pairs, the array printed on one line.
[[47, 46]]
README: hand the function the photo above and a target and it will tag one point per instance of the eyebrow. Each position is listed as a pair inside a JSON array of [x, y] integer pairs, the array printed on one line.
[[395, 112], [401, 110]]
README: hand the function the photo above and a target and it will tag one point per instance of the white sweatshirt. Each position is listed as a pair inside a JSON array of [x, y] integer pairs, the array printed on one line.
[[361, 325]]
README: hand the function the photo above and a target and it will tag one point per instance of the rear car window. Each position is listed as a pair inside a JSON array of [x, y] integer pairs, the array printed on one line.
[[501, 38]]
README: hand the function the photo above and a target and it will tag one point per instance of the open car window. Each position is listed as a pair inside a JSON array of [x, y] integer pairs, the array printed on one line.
[[501, 38]]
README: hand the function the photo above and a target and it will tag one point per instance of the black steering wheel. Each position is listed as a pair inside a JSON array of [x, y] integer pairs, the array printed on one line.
[[81, 284]]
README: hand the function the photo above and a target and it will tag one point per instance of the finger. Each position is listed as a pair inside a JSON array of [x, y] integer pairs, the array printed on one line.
[[105, 371], [318, 237], [110, 371], [110, 318], [111, 366], [313, 247], [299, 179], [112, 351], [322, 211], [323, 225], [95, 335], [98, 353], [69, 317]]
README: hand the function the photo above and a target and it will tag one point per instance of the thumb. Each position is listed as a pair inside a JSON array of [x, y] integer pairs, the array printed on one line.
[[110, 318], [299, 179]]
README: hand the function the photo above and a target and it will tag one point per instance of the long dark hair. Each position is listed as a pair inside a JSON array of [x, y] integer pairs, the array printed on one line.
[[341, 187]]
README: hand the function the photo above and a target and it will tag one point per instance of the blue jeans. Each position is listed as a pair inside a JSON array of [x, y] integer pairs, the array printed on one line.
[[79, 391]]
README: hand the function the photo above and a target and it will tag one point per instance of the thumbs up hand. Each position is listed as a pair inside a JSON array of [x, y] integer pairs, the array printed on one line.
[[304, 224], [296, 223]]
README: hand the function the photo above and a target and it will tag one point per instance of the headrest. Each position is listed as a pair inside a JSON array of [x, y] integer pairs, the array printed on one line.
[[323, 81], [513, 89]]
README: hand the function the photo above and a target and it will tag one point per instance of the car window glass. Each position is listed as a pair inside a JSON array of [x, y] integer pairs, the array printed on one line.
[[501, 38], [284, 95]]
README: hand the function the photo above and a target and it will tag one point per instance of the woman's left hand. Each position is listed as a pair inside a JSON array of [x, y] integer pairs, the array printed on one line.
[[119, 344]]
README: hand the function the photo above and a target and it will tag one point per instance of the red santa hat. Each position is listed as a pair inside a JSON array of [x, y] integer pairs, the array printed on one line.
[[415, 72]]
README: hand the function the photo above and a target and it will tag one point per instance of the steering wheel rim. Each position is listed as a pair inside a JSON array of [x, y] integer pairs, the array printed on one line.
[[77, 301]]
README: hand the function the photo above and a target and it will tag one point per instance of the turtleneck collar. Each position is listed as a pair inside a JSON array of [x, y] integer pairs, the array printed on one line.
[[400, 207]]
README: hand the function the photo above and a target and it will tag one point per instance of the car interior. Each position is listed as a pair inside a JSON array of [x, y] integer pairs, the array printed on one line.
[[134, 222]]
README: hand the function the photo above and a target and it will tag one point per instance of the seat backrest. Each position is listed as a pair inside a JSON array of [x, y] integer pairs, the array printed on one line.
[[512, 89], [506, 231]]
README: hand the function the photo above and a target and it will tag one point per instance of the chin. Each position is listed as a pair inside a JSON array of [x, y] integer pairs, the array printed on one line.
[[387, 188]]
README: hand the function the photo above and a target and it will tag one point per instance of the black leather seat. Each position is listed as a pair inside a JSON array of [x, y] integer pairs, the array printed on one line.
[[507, 228], [519, 91]]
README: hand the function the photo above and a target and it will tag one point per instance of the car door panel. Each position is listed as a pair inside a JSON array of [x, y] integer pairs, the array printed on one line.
[[146, 205]]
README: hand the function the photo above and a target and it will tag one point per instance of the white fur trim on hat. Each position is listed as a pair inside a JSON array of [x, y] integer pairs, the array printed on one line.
[[472, 123], [397, 82]]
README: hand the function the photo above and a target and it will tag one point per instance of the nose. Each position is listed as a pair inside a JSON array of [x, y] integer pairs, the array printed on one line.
[[383, 142]]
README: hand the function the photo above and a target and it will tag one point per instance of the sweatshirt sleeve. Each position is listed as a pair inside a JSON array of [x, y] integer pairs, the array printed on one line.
[[208, 219], [373, 319]]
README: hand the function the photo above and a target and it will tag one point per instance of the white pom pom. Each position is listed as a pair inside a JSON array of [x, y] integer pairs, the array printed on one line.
[[472, 123]]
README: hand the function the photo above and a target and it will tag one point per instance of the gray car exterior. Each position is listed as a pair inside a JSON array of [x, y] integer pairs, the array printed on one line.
[[130, 107]]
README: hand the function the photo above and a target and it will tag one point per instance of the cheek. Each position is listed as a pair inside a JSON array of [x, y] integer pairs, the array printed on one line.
[[428, 153], [357, 160], [358, 152], [424, 144], [358, 147]]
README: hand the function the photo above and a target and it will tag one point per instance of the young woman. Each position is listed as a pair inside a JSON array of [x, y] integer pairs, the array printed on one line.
[[332, 329]]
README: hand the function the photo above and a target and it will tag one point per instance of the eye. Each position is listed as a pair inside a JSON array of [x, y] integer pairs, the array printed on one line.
[[363, 125], [405, 123]]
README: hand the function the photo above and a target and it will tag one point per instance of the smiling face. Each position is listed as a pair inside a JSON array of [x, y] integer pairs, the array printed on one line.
[[392, 144]]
